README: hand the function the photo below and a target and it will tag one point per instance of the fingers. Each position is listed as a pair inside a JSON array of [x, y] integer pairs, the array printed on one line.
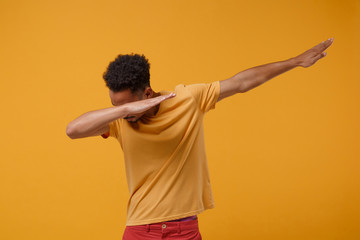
[[164, 97], [171, 95], [320, 48], [156, 100], [325, 44], [321, 55], [144, 105]]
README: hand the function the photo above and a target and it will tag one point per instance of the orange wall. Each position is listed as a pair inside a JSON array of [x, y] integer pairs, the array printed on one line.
[[283, 157]]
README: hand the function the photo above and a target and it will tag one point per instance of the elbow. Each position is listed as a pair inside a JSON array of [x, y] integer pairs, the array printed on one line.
[[242, 88], [70, 131]]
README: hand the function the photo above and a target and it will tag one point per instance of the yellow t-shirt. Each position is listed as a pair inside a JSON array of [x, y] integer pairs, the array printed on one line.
[[165, 159]]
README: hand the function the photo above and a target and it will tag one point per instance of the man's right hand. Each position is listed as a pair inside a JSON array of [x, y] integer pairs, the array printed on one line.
[[134, 108]]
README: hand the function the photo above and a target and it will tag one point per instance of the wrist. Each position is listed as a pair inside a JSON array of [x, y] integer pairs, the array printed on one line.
[[295, 62], [122, 111]]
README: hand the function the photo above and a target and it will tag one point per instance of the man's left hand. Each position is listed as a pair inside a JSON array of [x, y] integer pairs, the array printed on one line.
[[312, 55]]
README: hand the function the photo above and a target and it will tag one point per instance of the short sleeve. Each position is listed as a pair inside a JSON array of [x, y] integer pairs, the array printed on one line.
[[205, 94], [114, 129]]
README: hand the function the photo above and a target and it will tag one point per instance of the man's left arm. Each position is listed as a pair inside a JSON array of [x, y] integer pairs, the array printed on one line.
[[253, 77]]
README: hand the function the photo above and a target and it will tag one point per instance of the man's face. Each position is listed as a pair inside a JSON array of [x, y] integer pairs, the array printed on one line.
[[125, 96]]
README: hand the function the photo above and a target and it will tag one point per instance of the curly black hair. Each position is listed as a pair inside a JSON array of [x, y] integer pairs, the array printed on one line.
[[128, 71]]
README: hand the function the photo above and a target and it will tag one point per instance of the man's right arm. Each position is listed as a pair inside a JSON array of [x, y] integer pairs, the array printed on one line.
[[95, 122]]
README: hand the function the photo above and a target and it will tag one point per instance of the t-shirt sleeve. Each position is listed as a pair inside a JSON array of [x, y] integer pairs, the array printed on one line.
[[205, 94], [114, 129]]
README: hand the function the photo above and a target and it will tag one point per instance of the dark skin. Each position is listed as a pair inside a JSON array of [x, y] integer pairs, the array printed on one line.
[[127, 105], [253, 77], [132, 106], [126, 96]]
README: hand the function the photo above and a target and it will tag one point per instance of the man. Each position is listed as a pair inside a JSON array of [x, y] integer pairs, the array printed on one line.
[[161, 134]]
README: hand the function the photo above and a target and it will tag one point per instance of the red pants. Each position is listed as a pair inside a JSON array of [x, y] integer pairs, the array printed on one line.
[[188, 230]]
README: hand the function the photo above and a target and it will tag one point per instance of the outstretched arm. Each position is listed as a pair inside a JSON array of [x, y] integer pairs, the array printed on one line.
[[253, 77]]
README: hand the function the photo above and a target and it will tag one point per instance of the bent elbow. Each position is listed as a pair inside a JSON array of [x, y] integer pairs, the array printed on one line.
[[70, 132]]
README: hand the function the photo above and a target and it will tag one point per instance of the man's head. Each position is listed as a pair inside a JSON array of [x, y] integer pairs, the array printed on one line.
[[129, 71], [128, 80]]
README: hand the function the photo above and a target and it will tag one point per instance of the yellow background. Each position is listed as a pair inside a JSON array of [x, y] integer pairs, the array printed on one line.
[[283, 157]]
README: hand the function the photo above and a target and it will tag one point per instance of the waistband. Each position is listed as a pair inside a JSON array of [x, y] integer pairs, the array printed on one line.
[[167, 226]]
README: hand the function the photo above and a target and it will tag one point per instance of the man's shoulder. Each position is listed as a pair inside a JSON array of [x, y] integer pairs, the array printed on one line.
[[186, 87], [185, 90], [195, 89], [177, 89]]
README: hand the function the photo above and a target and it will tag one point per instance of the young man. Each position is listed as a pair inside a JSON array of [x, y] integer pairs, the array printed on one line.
[[161, 135]]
